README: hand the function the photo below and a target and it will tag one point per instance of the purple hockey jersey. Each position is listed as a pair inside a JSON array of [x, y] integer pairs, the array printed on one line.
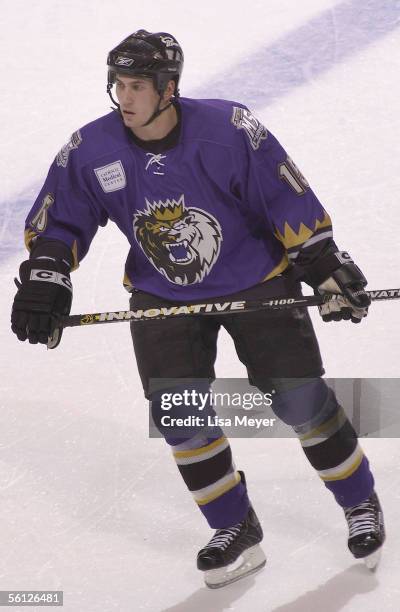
[[223, 210]]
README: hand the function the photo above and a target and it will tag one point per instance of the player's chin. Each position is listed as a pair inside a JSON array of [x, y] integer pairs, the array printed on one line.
[[130, 119]]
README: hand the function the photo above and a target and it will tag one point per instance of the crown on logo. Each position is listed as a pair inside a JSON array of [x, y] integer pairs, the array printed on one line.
[[170, 210], [169, 213]]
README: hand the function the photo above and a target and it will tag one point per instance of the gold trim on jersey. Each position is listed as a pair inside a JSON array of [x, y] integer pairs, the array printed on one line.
[[290, 238], [282, 265], [29, 235], [74, 250], [127, 283]]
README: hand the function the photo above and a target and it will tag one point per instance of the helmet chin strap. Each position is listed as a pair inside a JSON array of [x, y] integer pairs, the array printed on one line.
[[157, 112], [112, 99]]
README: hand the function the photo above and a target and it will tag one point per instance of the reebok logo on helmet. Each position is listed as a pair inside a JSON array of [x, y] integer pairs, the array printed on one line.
[[124, 61]]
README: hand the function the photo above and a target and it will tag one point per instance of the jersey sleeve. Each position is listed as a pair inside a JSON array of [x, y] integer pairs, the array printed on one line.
[[282, 197], [65, 208]]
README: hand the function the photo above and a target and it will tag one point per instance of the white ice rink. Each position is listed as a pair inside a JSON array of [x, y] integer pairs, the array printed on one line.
[[88, 503]]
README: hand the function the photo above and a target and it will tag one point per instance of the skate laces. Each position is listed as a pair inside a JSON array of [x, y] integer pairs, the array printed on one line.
[[361, 518], [223, 537]]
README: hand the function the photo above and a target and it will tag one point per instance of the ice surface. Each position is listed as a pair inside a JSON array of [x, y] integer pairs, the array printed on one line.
[[89, 504]]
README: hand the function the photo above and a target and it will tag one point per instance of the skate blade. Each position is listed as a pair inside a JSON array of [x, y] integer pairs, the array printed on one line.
[[372, 560], [250, 561]]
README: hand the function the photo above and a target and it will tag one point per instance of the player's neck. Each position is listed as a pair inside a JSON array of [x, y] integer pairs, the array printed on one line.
[[160, 127]]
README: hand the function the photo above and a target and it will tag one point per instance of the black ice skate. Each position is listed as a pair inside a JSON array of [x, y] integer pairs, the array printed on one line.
[[238, 543], [366, 530]]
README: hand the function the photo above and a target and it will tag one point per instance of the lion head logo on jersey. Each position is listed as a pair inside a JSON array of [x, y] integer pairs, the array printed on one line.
[[182, 243]]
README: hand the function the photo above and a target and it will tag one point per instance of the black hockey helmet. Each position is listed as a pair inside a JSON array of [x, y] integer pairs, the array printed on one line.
[[156, 55]]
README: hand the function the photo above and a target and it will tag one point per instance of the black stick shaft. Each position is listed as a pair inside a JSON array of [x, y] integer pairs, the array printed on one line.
[[212, 308]]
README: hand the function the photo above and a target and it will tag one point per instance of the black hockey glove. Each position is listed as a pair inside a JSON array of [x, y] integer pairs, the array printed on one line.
[[44, 294], [337, 273]]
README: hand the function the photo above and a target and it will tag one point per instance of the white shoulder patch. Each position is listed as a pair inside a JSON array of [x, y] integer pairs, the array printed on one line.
[[242, 119], [63, 154]]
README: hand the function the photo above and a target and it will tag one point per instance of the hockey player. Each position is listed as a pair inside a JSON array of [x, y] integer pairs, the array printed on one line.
[[212, 206]]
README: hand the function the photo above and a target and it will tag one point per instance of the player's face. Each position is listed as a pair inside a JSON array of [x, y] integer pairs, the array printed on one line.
[[137, 98]]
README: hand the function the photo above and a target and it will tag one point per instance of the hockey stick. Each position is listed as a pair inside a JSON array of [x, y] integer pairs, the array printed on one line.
[[212, 308]]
